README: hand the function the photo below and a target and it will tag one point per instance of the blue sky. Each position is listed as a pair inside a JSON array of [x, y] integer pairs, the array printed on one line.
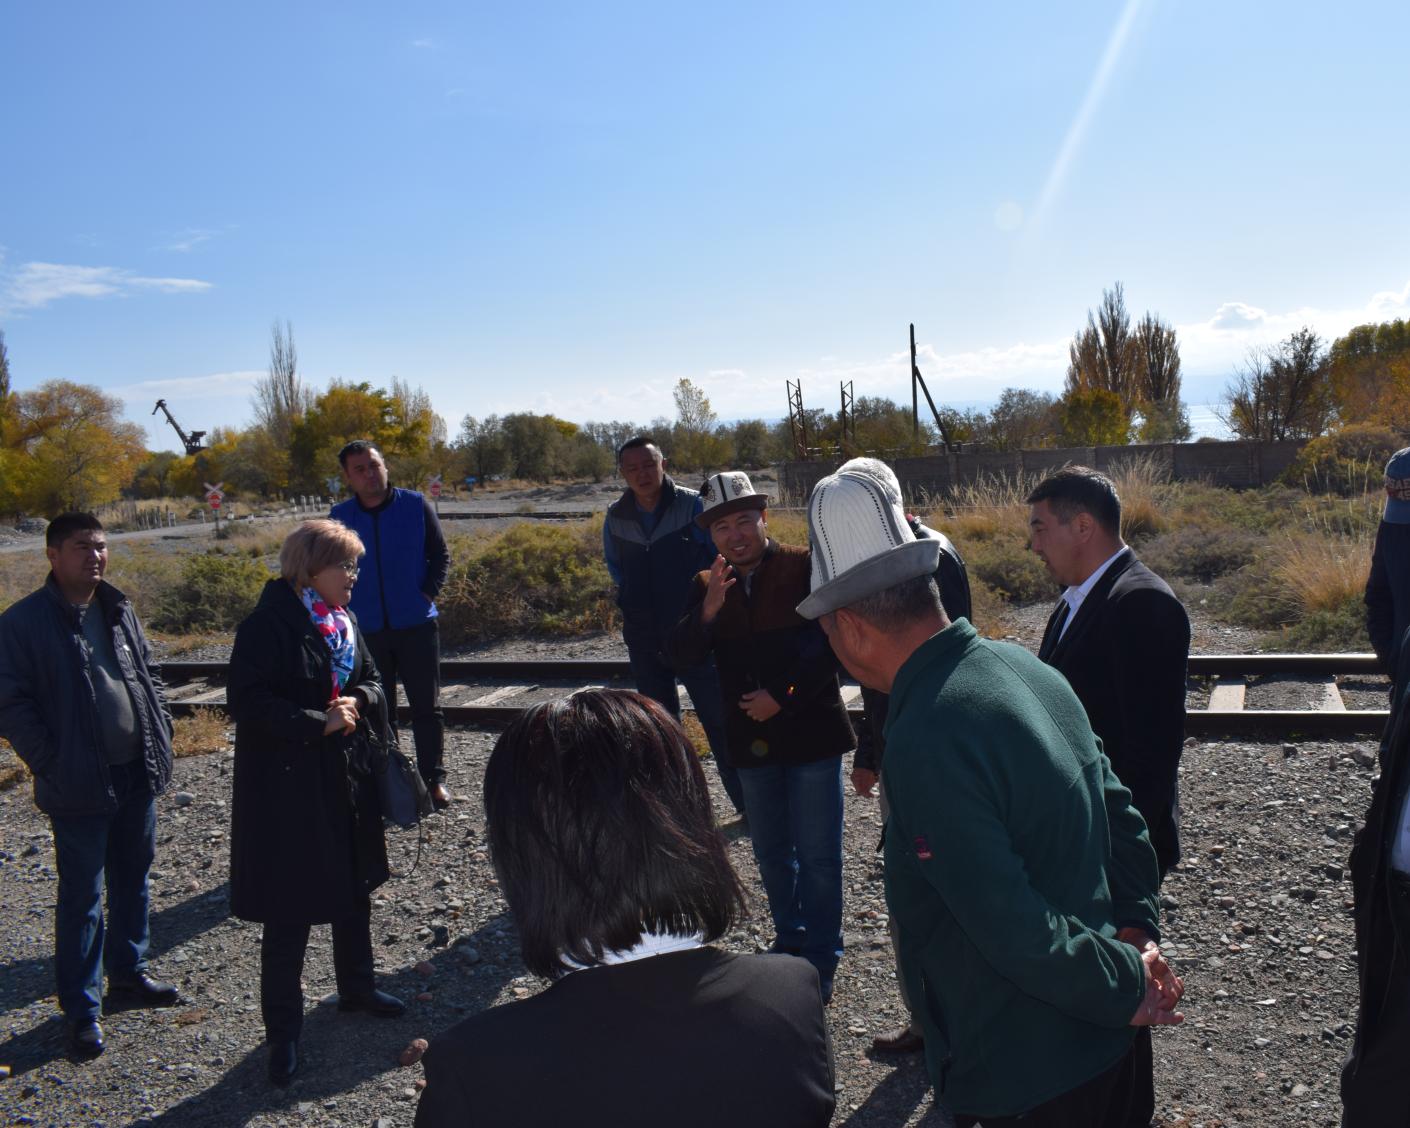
[[567, 207]]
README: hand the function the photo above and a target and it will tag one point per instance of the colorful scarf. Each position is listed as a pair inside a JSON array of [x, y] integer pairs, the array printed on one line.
[[337, 631]]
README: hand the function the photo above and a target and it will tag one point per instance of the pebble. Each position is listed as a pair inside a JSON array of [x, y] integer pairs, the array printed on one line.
[[414, 1051], [424, 969], [184, 798]]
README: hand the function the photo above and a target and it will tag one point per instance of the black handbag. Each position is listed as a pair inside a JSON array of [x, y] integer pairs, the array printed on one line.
[[401, 792]]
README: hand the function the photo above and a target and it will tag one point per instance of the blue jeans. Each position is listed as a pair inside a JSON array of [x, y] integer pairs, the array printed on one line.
[[116, 847], [795, 822], [656, 680]]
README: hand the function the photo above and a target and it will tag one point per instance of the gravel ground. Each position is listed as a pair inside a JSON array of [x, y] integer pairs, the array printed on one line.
[[1256, 919]]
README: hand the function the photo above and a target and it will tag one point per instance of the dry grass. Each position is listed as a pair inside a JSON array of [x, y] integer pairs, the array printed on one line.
[[1323, 573], [1141, 483], [205, 730]]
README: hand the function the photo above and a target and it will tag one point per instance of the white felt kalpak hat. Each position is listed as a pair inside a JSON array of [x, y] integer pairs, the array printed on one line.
[[727, 493], [861, 544]]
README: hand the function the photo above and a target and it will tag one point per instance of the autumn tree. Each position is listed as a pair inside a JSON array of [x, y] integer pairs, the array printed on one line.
[[1281, 392], [695, 445], [1370, 374], [481, 446], [1022, 420], [76, 450], [1163, 417], [1093, 417], [1105, 355]]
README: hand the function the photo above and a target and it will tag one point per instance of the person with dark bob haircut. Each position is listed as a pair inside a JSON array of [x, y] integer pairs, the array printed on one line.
[[602, 834]]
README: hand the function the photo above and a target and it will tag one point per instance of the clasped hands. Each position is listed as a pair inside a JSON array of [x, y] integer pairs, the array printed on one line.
[[1163, 987], [342, 715]]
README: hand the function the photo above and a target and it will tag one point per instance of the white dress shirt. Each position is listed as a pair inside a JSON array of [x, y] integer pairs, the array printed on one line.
[[1074, 596]]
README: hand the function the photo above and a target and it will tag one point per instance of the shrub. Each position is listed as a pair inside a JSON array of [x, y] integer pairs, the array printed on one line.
[[1201, 553], [214, 593], [530, 578], [1345, 462], [1340, 628], [1009, 568]]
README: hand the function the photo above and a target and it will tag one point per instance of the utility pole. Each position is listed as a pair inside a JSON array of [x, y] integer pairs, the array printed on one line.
[[918, 379], [797, 423]]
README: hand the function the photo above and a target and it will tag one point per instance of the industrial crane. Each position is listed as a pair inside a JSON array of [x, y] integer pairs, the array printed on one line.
[[191, 442]]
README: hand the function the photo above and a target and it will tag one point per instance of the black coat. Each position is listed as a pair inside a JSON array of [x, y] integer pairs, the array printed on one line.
[[695, 1038], [1388, 592], [761, 642], [1370, 864], [306, 841], [1125, 656], [48, 708]]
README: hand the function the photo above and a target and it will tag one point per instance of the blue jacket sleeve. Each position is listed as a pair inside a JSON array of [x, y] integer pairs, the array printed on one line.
[[609, 553]]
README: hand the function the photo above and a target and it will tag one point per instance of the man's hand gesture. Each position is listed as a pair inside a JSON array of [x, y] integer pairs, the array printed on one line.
[[721, 580]]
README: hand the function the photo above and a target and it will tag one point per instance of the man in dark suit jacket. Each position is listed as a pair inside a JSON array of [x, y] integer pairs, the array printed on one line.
[[1373, 1089], [1121, 639]]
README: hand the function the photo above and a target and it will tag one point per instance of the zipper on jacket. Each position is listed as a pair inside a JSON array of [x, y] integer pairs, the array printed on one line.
[[381, 578]]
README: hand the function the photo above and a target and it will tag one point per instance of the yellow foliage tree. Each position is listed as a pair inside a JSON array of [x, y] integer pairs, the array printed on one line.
[[77, 451]]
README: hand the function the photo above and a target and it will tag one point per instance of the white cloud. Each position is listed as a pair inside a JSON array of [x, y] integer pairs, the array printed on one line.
[[183, 242], [35, 285], [426, 43], [214, 386], [1237, 315]]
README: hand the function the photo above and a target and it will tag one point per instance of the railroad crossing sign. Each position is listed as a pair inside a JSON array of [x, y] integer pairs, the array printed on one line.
[[214, 494], [436, 487]]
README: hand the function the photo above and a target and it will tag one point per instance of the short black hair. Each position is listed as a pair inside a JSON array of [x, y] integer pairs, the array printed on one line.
[[357, 446], [600, 826], [638, 441], [1080, 489], [66, 524]]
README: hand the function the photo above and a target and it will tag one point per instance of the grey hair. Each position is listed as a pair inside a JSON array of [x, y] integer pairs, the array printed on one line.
[[897, 607], [878, 472]]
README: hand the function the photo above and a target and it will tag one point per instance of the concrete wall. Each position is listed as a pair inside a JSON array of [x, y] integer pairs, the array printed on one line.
[[1240, 465]]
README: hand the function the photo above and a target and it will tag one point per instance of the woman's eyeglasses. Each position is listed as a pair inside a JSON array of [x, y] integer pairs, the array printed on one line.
[[351, 568]]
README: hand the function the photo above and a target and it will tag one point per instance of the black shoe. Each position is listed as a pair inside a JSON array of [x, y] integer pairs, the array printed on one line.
[[376, 1002], [283, 1062], [85, 1038], [441, 798], [144, 991]]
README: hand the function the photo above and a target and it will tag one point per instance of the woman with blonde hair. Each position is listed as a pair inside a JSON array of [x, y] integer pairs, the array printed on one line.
[[306, 842]]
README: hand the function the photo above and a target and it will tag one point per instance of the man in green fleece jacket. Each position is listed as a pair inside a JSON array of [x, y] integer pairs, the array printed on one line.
[[1021, 878]]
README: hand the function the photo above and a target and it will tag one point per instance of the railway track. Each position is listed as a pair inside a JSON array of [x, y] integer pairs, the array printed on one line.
[[493, 692]]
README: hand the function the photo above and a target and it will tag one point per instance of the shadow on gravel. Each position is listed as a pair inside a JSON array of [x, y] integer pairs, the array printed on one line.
[[894, 1101], [24, 981], [340, 1052]]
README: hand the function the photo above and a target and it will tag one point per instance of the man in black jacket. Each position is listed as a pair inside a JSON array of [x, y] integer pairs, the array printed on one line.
[[84, 709], [1122, 640], [1373, 1089], [1388, 585]]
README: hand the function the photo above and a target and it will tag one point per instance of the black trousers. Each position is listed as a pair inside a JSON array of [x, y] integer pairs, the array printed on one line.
[[1102, 1100], [414, 655], [1375, 1094], [282, 963]]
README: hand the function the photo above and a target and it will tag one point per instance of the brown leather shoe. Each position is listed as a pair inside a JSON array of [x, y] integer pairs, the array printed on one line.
[[902, 1040], [441, 798]]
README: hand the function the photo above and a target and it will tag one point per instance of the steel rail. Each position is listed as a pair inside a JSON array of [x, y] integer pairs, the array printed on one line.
[[570, 672]]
